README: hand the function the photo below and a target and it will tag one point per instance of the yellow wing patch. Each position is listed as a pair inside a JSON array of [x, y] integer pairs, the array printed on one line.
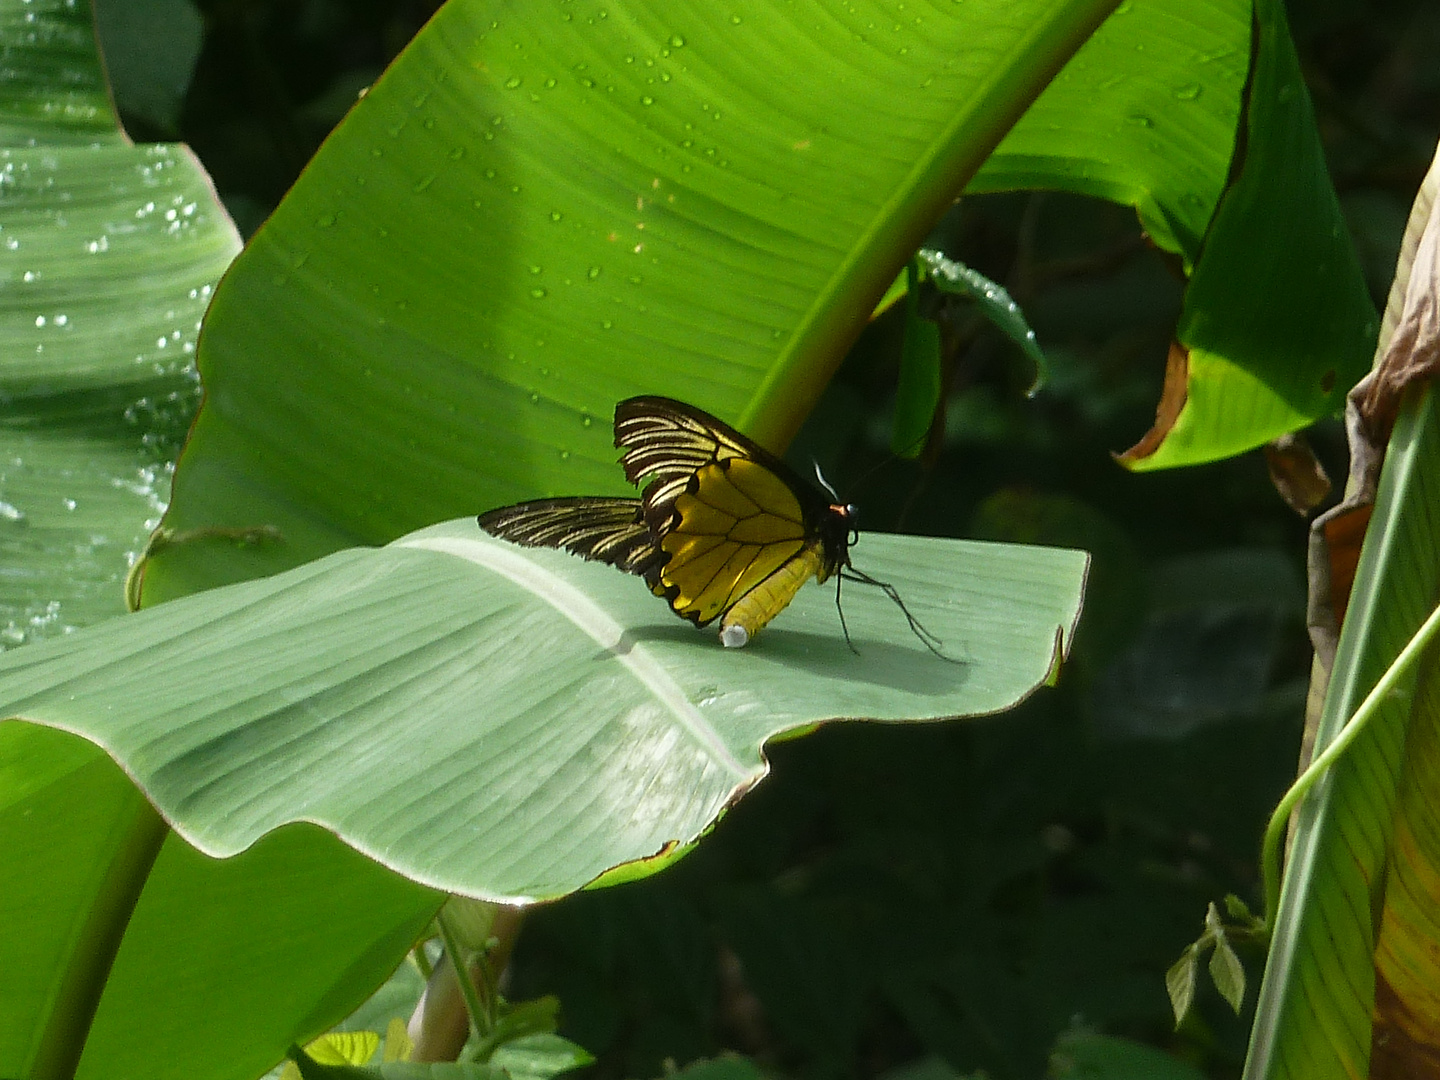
[[737, 525]]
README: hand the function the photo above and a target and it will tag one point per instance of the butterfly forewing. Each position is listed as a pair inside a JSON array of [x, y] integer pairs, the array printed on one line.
[[670, 442], [592, 526]]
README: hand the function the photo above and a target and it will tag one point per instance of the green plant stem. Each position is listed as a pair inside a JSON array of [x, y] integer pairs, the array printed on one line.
[[1271, 859], [480, 1017], [97, 941], [422, 962]]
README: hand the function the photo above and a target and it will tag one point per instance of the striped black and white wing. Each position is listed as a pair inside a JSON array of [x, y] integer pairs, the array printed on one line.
[[670, 442], [592, 526]]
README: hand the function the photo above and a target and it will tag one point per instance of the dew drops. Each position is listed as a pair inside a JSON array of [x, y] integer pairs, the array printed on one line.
[[513, 82], [550, 84], [457, 153], [1188, 92], [735, 20], [677, 41], [539, 294], [564, 455], [324, 221], [586, 420], [534, 399], [1141, 120], [423, 184], [39, 320], [593, 273], [647, 100], [556, 215], [605, 324]]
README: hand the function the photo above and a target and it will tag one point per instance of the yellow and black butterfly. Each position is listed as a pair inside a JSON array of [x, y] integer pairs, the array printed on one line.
[[724, 529]]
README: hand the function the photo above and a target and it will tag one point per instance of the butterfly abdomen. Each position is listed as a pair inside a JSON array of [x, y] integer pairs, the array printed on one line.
[[757, 607]]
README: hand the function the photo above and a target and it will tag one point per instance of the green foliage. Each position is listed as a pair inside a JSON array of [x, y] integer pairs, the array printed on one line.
[[852, 851], [391, 653], [1226, 970], [918, 389], [1373, 806]]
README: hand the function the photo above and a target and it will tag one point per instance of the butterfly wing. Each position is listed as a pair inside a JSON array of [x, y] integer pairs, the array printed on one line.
[[721, 520], [594, 527], [726, 514], [670, 442]]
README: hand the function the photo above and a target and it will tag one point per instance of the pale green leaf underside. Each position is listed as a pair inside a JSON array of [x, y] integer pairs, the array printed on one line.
[[52, 88], [510, 724], [1319, 992], [109, 257]]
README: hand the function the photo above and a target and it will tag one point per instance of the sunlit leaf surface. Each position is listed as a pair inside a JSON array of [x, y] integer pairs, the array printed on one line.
[[511, 723], [543, 209]]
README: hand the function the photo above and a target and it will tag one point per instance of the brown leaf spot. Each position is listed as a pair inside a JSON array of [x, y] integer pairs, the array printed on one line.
[[1402, 1042], [1297, 473], [1172, 400], [1343, 536]]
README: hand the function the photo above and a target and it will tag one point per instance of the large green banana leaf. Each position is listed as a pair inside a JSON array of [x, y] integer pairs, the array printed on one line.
[[108, 256], [513, 724], [1350, 986], [538, 211]]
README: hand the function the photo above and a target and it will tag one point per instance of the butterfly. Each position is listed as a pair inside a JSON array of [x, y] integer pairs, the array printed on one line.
[[723, 530]]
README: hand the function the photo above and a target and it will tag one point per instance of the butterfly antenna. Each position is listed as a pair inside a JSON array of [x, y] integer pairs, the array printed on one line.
[[823, 482], [843, 628], [930, 641]]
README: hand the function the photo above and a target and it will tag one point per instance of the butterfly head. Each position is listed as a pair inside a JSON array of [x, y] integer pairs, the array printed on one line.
[[837, 532]]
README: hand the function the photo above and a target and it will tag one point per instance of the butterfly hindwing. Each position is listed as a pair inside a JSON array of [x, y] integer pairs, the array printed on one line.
[[734, 524]]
